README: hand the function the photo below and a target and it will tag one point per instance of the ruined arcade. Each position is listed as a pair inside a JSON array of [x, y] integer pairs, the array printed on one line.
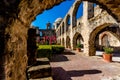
[[15, 19]]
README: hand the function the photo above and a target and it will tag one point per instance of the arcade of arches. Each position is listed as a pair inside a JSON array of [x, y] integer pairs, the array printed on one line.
[[15, 19], [90, 26]]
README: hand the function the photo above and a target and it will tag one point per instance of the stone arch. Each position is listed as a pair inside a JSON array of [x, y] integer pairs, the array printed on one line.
[[74, 13], [68, 42], [110, 6], [92, 37], [77, 39], [15, 18], [68, 21]]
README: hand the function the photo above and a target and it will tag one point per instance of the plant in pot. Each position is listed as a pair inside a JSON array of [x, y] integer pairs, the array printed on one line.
[[107, 55], [78, 47]]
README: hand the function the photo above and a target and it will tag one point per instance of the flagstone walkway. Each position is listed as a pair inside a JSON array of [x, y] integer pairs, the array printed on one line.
[[72, 65]]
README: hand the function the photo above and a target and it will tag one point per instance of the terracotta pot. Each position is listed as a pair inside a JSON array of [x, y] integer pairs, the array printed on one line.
[[107, 57], [78, 49]]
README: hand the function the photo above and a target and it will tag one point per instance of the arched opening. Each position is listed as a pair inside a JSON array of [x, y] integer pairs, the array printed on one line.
[[97, 43], [16, 23], [63, 28], [104, 40], [68, 42], [77, 39], [68, 22], [77, 12]]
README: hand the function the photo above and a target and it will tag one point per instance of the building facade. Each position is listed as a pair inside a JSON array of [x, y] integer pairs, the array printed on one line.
[[95, 29]]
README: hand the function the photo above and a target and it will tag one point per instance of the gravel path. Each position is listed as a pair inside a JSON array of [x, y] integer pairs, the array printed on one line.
[[74, 66]]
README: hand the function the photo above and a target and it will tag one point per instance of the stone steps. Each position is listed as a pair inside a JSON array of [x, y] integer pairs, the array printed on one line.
[[41, 70]]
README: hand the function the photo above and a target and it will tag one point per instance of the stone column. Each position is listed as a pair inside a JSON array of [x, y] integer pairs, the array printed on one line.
[[61, 34], [71, 31], [86, 31], [65, 34]]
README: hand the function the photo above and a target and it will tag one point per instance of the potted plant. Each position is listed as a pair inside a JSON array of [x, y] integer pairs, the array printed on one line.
[[107, 55], [78, 47]]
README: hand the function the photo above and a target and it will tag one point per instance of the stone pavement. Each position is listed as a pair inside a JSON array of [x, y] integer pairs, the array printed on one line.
[[72, 65]]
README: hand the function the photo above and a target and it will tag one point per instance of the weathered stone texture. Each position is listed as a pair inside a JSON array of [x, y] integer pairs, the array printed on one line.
[[89, 28], [15, 19]]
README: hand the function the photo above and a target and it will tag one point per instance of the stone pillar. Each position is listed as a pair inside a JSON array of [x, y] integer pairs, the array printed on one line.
[[86, 31], [61, 34], [65, 34], [71, 31]]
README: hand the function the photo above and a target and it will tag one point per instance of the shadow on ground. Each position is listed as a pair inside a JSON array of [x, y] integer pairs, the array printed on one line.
[[61, 57], [60, 74], [58, 58]]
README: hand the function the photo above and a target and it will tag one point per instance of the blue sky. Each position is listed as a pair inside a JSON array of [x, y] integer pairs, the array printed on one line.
[[54, 13]]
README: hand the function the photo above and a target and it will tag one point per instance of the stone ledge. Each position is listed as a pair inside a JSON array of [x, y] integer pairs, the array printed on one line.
[[47, 78], [42, 59], [39, 67]]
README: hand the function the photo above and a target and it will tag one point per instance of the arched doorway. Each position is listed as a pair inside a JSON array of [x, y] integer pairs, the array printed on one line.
[[68, 42], [77, 39], [104, 39], [17, 22]]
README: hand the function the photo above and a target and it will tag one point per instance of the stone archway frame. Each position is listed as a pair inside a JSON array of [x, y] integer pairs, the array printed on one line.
[[27, 10], [93, 34], [74, 12], [111, 6], [75, 37]]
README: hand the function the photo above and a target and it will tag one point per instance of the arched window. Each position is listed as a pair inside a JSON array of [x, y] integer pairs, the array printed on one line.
[[68, 22]]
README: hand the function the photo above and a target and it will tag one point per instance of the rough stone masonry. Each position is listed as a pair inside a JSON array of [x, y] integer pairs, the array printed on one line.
[[15, 19]]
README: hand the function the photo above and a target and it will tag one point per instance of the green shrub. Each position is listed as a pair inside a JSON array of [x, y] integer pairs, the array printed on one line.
[[44, 51], [108, 50], [79, 46], [57, 49], [48, 50]]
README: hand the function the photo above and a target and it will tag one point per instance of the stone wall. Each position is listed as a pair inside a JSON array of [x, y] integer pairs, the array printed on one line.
[[15, 19]]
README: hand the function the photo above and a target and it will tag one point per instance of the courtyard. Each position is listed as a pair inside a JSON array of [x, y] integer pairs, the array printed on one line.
[[72, 65], [99, 26]]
